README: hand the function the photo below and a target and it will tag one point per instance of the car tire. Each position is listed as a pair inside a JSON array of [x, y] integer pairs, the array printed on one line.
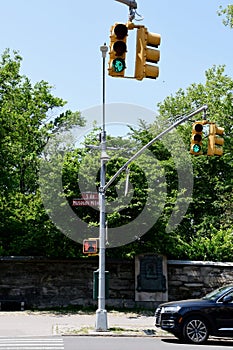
[[195, 330]]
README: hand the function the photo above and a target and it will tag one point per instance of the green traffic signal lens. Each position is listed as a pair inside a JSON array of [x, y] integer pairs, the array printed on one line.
[[118, 65], [196, 148]]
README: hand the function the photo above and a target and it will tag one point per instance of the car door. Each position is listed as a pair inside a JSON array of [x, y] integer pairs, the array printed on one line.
[[224, 314]]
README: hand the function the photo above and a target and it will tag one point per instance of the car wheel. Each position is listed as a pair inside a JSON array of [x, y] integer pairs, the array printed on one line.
[[195, 330]]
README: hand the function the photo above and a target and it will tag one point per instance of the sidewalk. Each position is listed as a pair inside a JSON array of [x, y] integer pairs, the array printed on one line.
[[28, 323]]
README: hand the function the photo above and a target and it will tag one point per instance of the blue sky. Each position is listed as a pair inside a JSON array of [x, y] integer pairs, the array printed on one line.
[[60, 43]]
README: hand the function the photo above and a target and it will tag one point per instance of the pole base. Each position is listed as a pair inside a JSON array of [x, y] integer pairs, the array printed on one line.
[[101, 320]]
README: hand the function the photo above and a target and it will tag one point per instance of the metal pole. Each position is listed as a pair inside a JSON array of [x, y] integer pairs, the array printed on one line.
[[104, 50], [101, 313]]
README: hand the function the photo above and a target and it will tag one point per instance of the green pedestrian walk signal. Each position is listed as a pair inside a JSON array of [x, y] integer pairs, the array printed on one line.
[[118, 65]]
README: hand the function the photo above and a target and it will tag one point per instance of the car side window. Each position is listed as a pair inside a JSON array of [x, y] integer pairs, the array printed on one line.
[[231, 295], [227, 298]]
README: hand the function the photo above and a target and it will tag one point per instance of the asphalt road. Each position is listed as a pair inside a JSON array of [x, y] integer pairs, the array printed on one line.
[[105, 343], [138, 343]]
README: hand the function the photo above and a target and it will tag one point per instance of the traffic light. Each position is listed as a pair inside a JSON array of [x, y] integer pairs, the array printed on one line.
[[215, 141], [90, 246], [196, 140], [118, 49], [146, 52]]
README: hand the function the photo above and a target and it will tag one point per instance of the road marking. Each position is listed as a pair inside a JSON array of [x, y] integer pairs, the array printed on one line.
[[32, 343]]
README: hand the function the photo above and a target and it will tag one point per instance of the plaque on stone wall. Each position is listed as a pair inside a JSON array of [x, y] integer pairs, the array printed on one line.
[[151, 277]]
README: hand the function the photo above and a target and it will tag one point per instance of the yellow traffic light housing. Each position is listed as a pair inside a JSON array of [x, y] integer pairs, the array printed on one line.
[[215, 141], [118, 49], [146, 52], [90, 246], [196, 140]]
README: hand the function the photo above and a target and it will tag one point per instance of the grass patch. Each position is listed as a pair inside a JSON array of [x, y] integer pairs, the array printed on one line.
[[120, 330]]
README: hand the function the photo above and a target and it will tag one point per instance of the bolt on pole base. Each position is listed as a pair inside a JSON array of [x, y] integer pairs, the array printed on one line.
[[101, 320]]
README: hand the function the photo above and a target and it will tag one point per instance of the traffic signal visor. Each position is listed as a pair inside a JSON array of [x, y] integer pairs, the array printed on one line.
[[90, 246], [196, 140], [118, 49]]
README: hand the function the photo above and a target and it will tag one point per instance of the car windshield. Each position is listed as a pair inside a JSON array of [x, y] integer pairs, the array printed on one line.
[[216, 293]]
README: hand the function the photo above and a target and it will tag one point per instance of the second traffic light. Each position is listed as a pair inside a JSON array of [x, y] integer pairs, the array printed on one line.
[[215, 141], [146, 52], [118, 49]]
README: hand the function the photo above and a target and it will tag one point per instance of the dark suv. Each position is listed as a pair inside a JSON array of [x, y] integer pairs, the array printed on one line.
[[194, 320]]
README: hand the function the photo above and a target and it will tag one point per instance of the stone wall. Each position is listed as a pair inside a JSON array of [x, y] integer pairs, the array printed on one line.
[[43, 283], [193, 279]]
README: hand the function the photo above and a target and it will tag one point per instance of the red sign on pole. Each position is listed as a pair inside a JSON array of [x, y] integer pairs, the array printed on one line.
[[82, 202]]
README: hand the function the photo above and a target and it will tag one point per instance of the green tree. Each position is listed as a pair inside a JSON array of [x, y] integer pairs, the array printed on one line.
[[25, 128], [209, 215], [211, 207]]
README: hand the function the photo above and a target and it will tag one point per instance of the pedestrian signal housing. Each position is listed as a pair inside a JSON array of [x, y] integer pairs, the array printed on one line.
[[90, 246]]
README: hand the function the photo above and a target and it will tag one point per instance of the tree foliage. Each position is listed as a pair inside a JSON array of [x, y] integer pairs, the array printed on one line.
[[210, 213], [25, 129], [227, 13], [206, 229]]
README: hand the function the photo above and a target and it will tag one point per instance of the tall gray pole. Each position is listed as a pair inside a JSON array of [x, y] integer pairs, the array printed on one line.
[[101, 313]]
